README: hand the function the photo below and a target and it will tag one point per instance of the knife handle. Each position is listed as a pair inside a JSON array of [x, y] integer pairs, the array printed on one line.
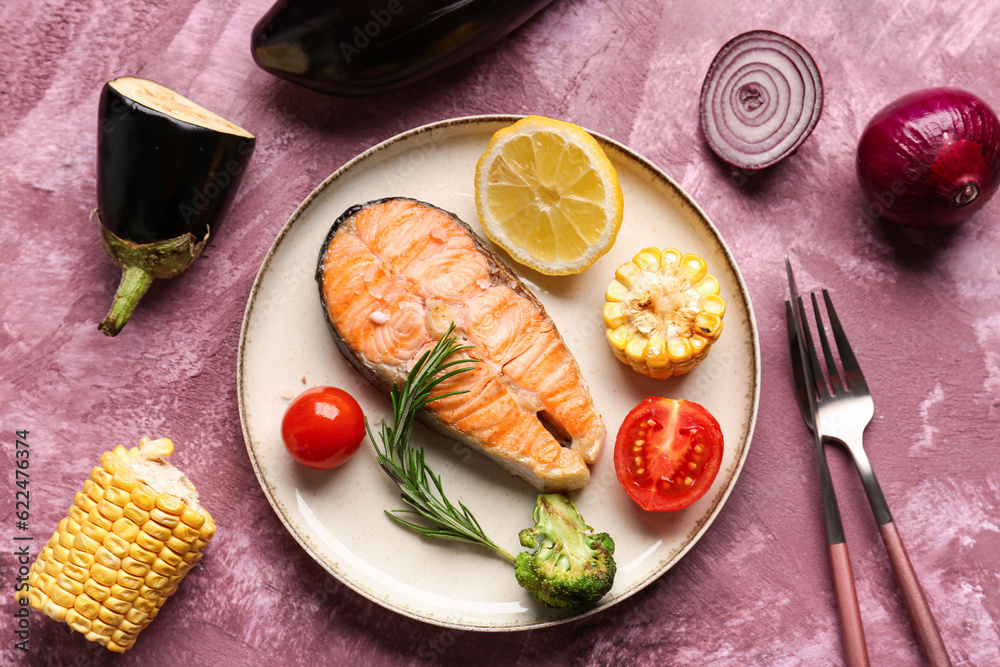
[[851, 629], [921, 617]]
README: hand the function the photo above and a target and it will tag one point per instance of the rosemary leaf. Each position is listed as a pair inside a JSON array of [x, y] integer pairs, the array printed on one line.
[[420, 488]]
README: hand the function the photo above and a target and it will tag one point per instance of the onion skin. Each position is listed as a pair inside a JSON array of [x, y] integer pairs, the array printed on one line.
[[931, 158]]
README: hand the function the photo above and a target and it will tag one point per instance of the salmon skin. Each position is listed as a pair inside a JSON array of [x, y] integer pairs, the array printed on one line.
[[395, 273]]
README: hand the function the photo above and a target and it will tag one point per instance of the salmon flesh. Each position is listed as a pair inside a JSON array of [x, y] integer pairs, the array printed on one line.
[[395, 273]]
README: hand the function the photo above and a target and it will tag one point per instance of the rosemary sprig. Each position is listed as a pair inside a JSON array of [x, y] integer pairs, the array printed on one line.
[[421, 488]]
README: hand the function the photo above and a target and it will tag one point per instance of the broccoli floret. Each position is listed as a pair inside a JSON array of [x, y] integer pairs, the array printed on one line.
[[570, 567]]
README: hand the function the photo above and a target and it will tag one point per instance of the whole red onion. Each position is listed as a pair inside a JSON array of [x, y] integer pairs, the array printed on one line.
[[931, 158]]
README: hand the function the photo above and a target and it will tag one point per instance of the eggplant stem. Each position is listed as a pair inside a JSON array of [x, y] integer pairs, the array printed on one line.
[[135, 281]]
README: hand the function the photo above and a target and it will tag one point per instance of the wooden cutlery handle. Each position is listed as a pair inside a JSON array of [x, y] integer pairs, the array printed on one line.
[[921, 617], [853, 633]]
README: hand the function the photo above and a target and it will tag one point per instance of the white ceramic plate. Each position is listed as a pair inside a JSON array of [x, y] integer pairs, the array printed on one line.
[[337, 516]]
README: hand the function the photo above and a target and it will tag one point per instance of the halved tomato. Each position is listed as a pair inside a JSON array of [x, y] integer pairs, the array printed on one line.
[[668, 453]]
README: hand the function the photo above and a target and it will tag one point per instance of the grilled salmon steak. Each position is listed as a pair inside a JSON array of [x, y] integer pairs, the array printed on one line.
[[395, 273]]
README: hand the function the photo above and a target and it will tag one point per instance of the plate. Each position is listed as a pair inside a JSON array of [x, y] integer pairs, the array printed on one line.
[[338, 516]]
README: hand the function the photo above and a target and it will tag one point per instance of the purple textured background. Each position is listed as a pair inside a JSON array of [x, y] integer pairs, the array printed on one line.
[[922, 308]]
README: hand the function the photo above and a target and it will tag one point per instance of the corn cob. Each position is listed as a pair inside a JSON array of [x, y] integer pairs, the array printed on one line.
[[663, 312], [129, 538]]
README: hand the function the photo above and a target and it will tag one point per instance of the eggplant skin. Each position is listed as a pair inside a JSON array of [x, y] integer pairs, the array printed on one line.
[[159, 177], [367, 47]]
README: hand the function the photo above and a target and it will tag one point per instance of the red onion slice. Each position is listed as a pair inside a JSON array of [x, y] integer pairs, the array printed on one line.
[[762, 97]]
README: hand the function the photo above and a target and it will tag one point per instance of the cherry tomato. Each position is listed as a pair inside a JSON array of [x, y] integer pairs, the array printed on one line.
[[668, 453], [323, 427]]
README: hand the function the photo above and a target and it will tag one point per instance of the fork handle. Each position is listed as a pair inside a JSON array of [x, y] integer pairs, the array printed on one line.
[[851, 629], [921, 617]]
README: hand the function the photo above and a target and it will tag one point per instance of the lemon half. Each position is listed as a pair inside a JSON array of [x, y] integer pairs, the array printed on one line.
[[548, 195]]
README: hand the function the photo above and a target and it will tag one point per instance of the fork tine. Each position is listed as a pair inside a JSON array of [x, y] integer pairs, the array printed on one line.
[[853, 376], [831, 365], [816, 370], [800, 381]]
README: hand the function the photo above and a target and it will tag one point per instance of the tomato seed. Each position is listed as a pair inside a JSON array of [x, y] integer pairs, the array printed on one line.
[[688, 481]]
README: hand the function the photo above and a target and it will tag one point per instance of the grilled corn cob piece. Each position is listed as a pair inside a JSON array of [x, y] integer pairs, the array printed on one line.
[[129, 538], [663, 312]]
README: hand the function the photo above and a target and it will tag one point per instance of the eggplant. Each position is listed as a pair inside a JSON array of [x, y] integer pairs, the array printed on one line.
[[361, 48], [167, 172]]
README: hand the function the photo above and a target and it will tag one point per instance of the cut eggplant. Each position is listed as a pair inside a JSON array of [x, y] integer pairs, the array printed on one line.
[[167, 172], [366, 47]]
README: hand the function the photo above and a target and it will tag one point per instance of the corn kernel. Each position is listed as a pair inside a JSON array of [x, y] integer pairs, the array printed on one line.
[[71, 586], [628, 274], [135, 514], [714, 305], [164, 519], [117, 496], [95, 532], [53, 567], [116, 545], [54, 611], [136, 616], [125, 529], [100, 476], [154, 580], [60, 553], [61, 596], [93, 491], [103, 575], [156, 531], [125, 593], [75, 572], [134, 567], [127, 580], [144, 540], [693, 267], [36, 598], [148, 593], [144, 497], [121, 641], [679, 349], [77, 621], [87, 606], [616, 292], [96, 590], [648, 259], [99, 627], [77, 514], [140, 554], [636, 348], [670, 259], [144, 604], [106, 558], [110, 511], [177, 545], [124, 480], [614, 314], [117, 605], [170, 504]]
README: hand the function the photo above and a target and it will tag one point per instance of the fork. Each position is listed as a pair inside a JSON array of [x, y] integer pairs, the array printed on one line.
[[842, 411], [848, 610]]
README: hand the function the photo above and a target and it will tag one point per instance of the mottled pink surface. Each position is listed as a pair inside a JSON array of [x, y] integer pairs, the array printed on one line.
[[923, 310]]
